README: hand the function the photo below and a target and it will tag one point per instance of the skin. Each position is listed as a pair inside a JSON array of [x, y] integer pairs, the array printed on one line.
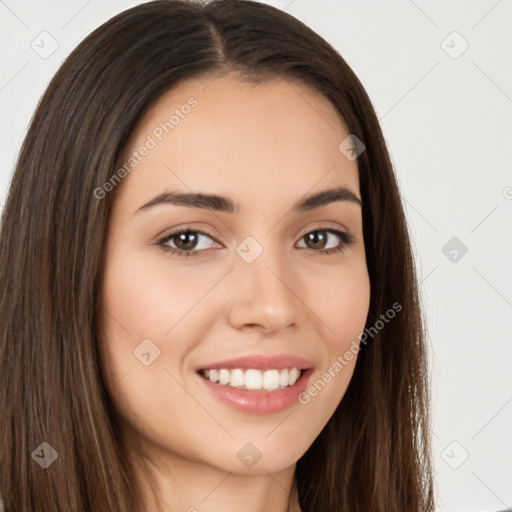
[[265, 146]]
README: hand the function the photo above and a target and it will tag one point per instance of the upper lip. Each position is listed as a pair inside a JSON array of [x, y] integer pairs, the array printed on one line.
[[261, 362]]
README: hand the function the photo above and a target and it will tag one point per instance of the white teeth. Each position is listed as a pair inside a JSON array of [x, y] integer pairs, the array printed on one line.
[[237, 378], [293, 376], [224, 377], [253, 379], [269, 380]]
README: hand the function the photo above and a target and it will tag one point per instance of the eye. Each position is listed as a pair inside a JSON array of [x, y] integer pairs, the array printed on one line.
[[186, 241], [319, 237]]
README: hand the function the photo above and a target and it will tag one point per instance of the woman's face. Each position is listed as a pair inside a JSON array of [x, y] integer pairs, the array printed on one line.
[[256, 285]]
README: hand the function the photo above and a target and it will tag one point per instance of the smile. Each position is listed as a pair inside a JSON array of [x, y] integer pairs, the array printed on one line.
[[253, 379]]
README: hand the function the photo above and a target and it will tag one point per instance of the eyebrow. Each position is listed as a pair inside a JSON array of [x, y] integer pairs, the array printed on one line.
[[226, 205]]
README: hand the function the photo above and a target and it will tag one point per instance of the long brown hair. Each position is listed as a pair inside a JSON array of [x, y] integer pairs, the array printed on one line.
[[374, 453]]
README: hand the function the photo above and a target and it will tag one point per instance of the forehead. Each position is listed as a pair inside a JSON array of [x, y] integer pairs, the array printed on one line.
[[220, 134]]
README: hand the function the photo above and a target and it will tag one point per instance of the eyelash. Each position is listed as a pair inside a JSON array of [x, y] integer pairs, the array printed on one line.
[[346, 240]]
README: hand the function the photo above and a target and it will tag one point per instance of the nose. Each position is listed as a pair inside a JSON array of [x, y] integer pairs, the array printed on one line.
[[262, 295]]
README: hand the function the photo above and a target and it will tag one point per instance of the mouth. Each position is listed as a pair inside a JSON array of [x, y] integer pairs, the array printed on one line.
[[253, 379], [257, 385]]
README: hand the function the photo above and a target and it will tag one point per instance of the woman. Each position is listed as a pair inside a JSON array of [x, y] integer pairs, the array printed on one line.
[[209, 296]]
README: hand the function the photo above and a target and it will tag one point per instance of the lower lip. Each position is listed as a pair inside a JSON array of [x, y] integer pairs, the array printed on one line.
[[259, 401]]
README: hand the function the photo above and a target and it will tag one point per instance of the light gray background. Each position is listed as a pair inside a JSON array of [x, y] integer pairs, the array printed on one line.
[[446, 114]]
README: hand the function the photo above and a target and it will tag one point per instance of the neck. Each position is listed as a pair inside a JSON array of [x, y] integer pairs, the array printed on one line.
[[175, 483]]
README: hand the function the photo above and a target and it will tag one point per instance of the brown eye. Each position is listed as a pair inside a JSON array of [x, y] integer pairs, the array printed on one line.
[[318, 239], [185, 242]]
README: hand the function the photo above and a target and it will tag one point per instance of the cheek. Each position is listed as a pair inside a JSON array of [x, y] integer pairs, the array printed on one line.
[[146, 297], [147, 308], [139, 305], [342, 300]]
